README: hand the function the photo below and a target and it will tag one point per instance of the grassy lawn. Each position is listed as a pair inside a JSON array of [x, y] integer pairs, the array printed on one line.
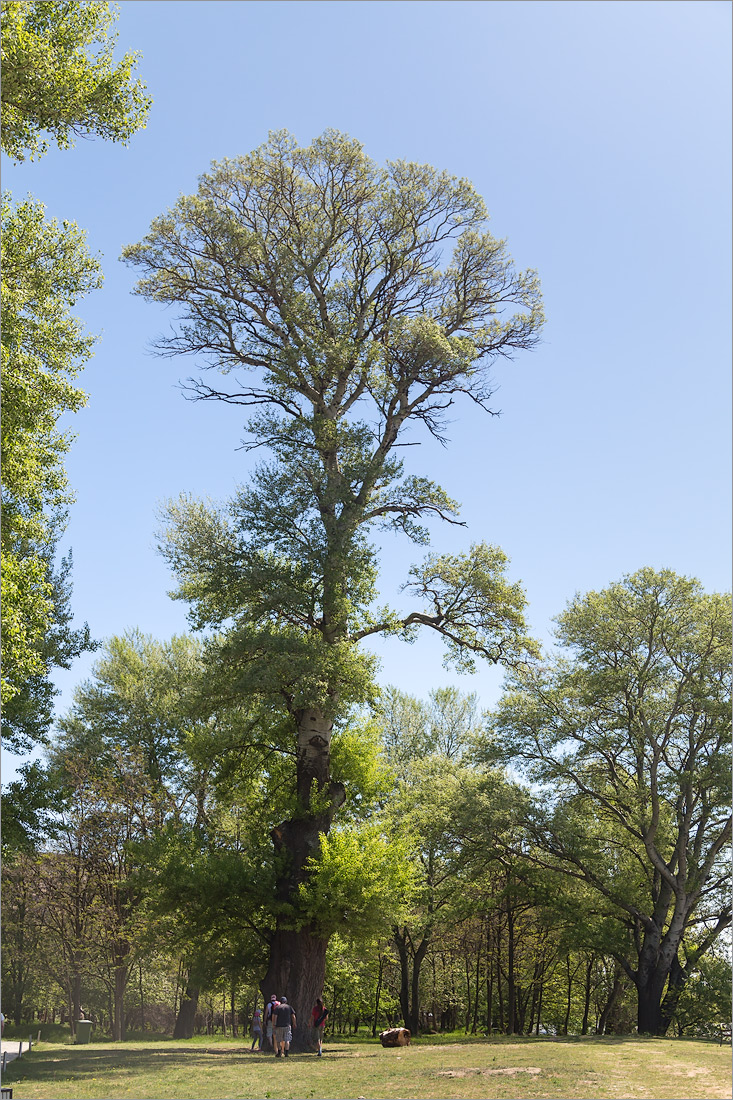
[[501, 1069]]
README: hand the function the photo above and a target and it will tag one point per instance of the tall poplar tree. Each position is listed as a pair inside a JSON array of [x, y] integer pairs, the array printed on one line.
[[324, 278]]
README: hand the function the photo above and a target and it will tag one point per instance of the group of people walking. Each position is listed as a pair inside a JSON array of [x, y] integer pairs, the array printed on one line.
[[275, 1031]]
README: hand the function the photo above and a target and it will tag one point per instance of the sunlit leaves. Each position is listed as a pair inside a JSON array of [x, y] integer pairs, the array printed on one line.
[[46, 269], [468, 600], [60, 80], [359, 883]]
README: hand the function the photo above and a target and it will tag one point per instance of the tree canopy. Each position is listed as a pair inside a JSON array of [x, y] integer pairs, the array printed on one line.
[[630, 737], [46, 269], [60, 80]]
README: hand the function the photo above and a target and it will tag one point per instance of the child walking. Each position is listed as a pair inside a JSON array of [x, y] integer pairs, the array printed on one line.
[[256, 1030]]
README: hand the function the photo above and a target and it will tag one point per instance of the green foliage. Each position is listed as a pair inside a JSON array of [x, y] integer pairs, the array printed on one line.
[[28, 713], [139, 701], [705, 1003], [210, 901], [60, 80], [473, 606], [358, 762], [46, 268], [28, 819], [359, 883], [631, 742]]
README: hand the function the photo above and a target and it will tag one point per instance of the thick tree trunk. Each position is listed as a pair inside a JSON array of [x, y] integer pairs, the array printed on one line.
[[297, 964], [296, 971], [187, 1013], [655, 962], [649, 1017]]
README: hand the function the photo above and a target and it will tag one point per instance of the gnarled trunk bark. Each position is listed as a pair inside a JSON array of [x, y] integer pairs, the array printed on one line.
[[296, 971], [655, 962], [297, 963]]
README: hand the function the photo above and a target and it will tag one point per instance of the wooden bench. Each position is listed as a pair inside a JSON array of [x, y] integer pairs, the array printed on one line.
[[725, 1034]]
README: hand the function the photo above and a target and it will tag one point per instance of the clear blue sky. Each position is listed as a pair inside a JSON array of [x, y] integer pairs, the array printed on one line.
[[599, 135]]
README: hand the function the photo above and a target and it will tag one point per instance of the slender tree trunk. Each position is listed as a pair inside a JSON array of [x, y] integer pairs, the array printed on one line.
[[120, 986], [612, 998], [414, 1020], [489, 998], [566, 1023], [474, 1025], [376, 999], [235, 1029], [75, 998], [467, 964], [489, 978], [536, 977], [586, 1004], [511, 986], [121, 975], [142, 1001], [400, 939]]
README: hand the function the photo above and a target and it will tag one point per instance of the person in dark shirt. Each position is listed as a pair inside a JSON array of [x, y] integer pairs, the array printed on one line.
[[284, 1024], [270, 1022]]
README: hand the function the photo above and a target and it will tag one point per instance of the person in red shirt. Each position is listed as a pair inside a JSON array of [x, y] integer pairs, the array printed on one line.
[[319, 1015]]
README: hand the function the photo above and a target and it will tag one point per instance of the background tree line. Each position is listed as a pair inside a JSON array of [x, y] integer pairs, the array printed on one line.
[[452, 896]]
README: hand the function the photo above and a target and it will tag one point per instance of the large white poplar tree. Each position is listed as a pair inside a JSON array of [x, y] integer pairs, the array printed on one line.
[[357, 302]]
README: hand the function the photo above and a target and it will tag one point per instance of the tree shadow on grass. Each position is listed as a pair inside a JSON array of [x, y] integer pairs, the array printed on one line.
[[68, 1061], [93, 1061]]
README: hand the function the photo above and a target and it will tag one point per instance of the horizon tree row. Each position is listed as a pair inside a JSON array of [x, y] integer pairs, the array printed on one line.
[[165, 810]]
